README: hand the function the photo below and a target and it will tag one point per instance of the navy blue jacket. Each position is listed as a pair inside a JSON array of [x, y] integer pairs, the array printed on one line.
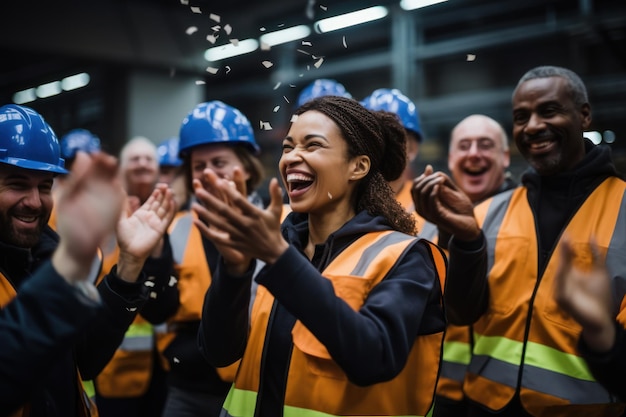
[[50, 328]]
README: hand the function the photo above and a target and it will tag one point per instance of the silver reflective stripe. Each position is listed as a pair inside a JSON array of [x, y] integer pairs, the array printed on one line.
[[574, 390], [373, 250], [453, 370], [616, 256], [180, 236], [136, 343], [494, 369], [94, 272], [493, 220], [429, 232]]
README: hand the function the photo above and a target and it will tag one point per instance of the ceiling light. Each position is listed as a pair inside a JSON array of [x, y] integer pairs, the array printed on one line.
[[350, 19], [75, 81], [229, 50], [285, 35], [24, 96], [49, 89], [418, 4]]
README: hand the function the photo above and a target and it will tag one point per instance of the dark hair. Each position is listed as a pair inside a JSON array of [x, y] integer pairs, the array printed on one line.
[[575, 86], [380, 136], [251, 164]]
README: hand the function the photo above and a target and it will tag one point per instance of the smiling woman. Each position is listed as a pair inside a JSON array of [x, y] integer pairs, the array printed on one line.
[[349, 301]]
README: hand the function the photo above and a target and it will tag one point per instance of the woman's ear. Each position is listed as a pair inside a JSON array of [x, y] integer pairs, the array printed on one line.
[[360, 167]]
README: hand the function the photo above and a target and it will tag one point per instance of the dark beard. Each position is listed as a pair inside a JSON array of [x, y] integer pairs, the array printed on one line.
[[21, 239]]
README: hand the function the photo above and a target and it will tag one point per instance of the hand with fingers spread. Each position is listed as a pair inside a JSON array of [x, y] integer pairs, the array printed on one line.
[[89, 206], [586, 296], [441, 202], [140, 231], [240, 230]]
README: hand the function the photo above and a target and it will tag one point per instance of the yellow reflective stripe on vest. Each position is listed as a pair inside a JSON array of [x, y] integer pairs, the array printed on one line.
[[89, 388], [457, 352], [242, 404], [139, 336], [546, 369]]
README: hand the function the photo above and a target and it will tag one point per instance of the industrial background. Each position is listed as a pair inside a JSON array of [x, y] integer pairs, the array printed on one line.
[[147, 69]]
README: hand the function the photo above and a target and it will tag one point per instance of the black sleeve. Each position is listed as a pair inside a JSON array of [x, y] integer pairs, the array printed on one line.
[[121, 302], [46, 318], [225, 317], [467, 291], [609, 368], [163, 300]]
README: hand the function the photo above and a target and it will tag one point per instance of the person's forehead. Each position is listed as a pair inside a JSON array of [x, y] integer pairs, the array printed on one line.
[[475, 129], [547, 88]]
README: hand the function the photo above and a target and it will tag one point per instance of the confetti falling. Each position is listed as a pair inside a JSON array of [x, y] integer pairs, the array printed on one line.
[[345, 45], [153, 295], [212, 38], [276, 108], [266, 125], [212, 70], [173, 281], [294, 118], [191, 30], [176, 360], [184, 2], [227, 69], [265, 46], [215, 17], [149, 283], [286, 99], [319, 63], [235, 42], [471, 57], [228, 29], [200, 82], [323, 7], [196, 10], [277, 85], [307, 43], [267, 64]]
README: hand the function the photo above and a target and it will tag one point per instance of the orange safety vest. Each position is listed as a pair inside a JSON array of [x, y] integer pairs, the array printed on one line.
[[194, 279], [315, 383], [457, 345], [524, 342], [85, 406], [129, 371]]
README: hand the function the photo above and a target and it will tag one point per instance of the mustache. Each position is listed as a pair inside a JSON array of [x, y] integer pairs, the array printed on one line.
[[544, 134]]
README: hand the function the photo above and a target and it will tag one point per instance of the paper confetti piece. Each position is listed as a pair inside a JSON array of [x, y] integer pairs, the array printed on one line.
[[277, 85], [131, 308], [307, 43], [191, 30], [266, 126], [227, 69], [235, 42], [214, 17], [211, 38], [184, 2], [262, 29], [153, 295], [196, 10], [319, 63], [265, 46], [216, 28], [323, 7], [212, 70], [294, 118], [345, 45], [176, 360], [286, 99], [471, 57], [173, 281], [267, 64], [149, 283], [276, 108], [228, 29], [200, 82], [303, 52]]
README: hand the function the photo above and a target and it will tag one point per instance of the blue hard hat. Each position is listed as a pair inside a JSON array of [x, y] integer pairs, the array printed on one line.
[[168, 153], [215, 122], [322, 87], [392, 100], [27, 141], [79, 140]]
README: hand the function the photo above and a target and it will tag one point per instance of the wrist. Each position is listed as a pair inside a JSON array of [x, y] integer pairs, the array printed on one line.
[[129, 267], [70, 267]]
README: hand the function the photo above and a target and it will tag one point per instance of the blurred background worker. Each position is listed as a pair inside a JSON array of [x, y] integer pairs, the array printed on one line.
[[322, 87], [133, 382], [73, 141], [55, 326], [392, 100], [478, 159], [171, 171], [215, 136]]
